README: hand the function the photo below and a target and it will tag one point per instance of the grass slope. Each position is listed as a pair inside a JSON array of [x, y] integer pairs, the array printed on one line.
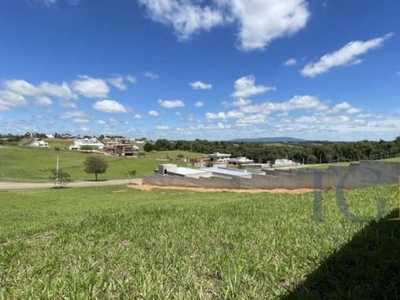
[[118, 243], [34, 164]]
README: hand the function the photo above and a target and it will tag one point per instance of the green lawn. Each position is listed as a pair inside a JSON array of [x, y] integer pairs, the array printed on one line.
[[34, 164], [120, 243], [394, 159]]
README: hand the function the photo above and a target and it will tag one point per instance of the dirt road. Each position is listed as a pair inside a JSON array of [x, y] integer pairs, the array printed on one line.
[[8, 185]]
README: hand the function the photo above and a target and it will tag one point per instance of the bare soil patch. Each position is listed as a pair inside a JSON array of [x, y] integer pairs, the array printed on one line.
[[148, 187]]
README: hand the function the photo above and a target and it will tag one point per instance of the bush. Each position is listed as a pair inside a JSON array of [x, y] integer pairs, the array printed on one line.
[[60, 177]]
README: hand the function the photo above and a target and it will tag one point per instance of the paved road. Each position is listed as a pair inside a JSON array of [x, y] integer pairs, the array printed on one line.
[[7, 185]]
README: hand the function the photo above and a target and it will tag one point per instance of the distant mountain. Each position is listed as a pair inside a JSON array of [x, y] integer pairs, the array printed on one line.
[[280, 139]]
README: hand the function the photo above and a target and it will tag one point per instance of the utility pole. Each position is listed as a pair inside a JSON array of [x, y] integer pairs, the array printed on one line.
[[57, 165]]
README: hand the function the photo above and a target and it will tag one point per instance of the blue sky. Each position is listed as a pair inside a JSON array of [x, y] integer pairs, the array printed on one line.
[[206, 69]]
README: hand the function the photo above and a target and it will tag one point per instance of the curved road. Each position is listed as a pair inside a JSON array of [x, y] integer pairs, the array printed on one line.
[[8, 185]]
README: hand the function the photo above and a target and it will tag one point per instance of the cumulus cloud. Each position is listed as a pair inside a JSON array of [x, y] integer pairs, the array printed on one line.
[[10, 99], [109, 106], [91, 87], [137, 116], [61, 91], [153, 113], [186, 17], [43, 101], [245, 87], [347, 55], [251, 120], [171, 103], [198, 85], [259, 21], [290, 62], [21, 87]]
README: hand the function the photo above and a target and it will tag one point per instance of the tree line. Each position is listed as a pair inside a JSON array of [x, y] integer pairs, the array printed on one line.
[[301, 152]]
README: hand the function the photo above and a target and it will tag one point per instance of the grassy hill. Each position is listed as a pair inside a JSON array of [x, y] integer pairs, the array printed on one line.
[[34, 164]]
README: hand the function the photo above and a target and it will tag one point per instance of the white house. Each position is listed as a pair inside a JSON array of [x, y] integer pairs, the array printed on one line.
[[41, 144], [93, 142]]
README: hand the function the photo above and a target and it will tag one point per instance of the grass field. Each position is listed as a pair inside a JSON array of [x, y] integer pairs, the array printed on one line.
[[34, 164], [120, 243]]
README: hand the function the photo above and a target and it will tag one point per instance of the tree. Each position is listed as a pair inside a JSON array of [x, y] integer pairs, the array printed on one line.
[[60, 177], [95, 165], [148, 147]]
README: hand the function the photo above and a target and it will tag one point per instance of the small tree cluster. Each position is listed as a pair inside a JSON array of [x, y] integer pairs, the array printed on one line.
[[60, 177]]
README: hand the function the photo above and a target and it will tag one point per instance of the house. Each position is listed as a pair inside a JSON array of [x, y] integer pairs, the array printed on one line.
[[283, 162], [240, 161], [174, 170], [219, 158], [92, 143], [120, 147], [41, 144]]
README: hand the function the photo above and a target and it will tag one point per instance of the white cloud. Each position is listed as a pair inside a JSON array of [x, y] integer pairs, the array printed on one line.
[[241, 102], [9, 99], [345, 106], [348, 55], [150, 75], [43, 101], [131, 79], [61, 91], [184, 16], [199, 104], [21, 87], [109, 106], [118, 82], [40, 92], [251, 120], [101, 122], [245, 87], [80, 121], [290, 62], [153, 113], [353, 110], [198, 85], [259, 21], [47, 2], [222, 115], [137, 116], [171, 103], [73, 114], [91, 87], [162, 127], [341, 106]]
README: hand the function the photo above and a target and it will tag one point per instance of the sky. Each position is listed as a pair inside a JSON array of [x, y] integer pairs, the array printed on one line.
[[201, 69]]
